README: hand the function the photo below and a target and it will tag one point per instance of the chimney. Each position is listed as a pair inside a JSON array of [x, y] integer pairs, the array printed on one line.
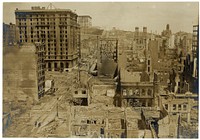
[[136, 29], [144, 29], [167, 27]]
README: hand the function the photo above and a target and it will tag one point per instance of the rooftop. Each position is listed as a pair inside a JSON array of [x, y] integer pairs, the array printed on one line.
[[85, 16], [37, 9]]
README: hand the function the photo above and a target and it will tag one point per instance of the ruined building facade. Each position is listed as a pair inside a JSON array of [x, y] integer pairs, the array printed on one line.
[[57, 29], [195, 49], [25, 77]]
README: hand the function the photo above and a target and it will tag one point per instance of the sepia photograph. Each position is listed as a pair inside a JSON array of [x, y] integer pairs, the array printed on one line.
[[100, 69]]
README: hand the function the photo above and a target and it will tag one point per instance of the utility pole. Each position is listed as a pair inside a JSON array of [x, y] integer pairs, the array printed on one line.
[[79, 51], [179, 125], [57, 108]]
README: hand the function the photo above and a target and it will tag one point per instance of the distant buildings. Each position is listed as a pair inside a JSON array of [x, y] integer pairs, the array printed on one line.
[[85, 21], [9, 34], [57, 29], [167, 32]]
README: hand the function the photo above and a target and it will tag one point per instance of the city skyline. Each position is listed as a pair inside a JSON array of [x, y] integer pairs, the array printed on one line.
[[64, 77], [154, 15]]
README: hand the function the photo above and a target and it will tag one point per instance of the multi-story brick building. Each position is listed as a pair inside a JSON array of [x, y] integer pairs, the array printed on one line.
[[57, 29]]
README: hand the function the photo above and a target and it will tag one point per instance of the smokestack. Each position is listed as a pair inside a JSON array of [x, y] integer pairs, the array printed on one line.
[[167, 27], [136, 29], [144, 29]]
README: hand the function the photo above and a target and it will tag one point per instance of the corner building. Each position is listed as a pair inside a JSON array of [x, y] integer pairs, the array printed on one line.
[[57, 29]]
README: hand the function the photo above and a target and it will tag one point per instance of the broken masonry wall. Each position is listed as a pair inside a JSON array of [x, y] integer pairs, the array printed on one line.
[[168, 127], [104, 122], [99, 94]]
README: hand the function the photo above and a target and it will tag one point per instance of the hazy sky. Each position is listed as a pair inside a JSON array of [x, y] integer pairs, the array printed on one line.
[[126, 16]]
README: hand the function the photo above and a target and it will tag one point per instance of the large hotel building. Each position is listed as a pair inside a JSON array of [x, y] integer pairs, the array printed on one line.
[[57, 29]]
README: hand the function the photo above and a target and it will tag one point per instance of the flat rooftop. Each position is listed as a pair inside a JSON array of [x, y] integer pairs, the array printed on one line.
[[43, 9]]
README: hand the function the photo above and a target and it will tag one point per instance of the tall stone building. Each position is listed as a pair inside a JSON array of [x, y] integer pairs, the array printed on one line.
[[57, 29]]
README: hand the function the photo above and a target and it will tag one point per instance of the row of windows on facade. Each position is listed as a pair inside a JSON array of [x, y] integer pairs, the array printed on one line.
[[137, 92], [42, 19], [195, 43], [137, 103], [49, 35], [57, 54], [40, 31], [93, 121], [24, 17], [64, 58], [45, 23], [159, 72], [49, 38], [51, 28], [82, 92], [174, 107], [51, 65], [195, 28], [50, 42], [194, 48], [194, 37], [62, 43], [140, 41], [54, 49]]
